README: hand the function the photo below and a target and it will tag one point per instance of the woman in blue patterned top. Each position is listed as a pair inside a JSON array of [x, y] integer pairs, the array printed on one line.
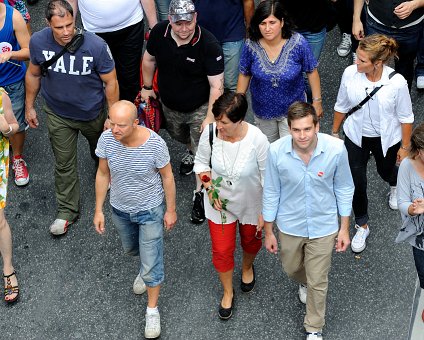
[[273, 62]]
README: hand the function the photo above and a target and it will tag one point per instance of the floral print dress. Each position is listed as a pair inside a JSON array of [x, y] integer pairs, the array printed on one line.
[[4, 161]]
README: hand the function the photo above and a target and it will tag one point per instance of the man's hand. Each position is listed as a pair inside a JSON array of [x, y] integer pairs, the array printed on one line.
[[343, 241], [31, 118], [271, 243], [169, 219], [358, 30], [4, 57], [206, 122], [106, 125], [405, 9], [99, 222], [146, 94]]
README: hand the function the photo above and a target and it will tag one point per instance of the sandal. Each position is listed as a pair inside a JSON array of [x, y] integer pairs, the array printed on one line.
[[9, 289]]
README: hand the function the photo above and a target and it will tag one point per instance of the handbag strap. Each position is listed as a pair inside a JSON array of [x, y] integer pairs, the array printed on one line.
[[210, 142], [71, 46], [368, 97]]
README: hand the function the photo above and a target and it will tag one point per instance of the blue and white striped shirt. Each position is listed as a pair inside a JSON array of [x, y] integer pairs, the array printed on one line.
[[136, 184]]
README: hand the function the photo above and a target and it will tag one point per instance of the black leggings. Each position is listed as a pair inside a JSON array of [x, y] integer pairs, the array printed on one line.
[[419, 263], [126, 46], [358, 160]]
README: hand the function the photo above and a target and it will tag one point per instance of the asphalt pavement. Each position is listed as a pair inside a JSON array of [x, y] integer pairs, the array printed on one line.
[[79, 286]]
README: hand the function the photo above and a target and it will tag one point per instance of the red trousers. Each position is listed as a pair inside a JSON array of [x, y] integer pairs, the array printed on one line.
[[224, 243]]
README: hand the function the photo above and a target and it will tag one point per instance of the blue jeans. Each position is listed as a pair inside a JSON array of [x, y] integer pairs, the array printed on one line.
[[419, 69], [419, 264], [16, 93], [162, 7], [408, 40], [316, 41], [232, 52], [142, 235]]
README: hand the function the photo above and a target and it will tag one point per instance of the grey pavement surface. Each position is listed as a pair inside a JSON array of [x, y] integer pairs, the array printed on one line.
[[80, 286]]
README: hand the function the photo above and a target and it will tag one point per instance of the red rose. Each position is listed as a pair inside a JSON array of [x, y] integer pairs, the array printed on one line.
[[205, 178]]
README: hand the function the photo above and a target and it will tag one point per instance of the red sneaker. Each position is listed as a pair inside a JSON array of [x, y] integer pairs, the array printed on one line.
[[21, 171]]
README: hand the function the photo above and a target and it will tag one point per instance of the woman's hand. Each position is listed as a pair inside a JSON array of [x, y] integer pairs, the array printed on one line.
[[260, 225], [318, 108], [401, 154], [216, 203], [417, 207]]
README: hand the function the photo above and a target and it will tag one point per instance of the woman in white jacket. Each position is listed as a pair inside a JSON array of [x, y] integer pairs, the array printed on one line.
[[232, 173], [381, 126]]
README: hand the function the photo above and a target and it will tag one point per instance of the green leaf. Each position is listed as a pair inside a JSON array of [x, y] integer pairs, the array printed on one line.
[[217, 181], [215, 195]]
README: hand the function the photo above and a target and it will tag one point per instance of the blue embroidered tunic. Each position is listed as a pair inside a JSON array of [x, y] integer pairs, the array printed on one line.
[[276, 85]]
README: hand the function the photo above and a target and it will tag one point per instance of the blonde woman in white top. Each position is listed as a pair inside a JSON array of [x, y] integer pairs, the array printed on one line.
[[232, 174], [382, 126]]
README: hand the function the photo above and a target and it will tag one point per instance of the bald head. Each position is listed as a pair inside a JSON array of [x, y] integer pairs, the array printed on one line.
[[123, 109]]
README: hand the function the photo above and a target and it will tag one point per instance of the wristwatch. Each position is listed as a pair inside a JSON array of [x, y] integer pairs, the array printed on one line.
[[148, 88]]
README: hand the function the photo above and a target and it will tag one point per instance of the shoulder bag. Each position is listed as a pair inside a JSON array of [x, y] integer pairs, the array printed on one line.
[[70, 47], [368, 97]]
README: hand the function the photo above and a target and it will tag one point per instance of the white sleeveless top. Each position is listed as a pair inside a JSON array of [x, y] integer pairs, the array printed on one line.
[[102, 16]]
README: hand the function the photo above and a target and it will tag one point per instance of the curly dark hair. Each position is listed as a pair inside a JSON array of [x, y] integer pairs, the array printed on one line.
[[263, 11]]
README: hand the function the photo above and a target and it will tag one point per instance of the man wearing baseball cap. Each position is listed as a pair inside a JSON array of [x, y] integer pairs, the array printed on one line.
[[190, 78]]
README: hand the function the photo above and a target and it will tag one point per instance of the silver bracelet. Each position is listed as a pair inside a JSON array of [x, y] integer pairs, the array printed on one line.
[[6, 133]]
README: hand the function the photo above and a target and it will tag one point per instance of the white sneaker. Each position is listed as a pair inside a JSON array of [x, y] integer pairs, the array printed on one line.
[[303, 293], [139, 287], [345, 45], [354, 58], [59, 226], [152, 330], [358, 242], [314, 336], [393, 198], [420, 82]]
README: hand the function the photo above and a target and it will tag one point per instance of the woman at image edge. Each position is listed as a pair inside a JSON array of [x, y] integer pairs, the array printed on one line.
[[8, 127], [411, 200]]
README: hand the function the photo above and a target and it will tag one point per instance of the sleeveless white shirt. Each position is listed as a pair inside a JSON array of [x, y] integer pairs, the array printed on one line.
[[100, 16]]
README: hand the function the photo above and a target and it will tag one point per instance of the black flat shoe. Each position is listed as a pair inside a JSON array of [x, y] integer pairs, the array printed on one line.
[[248, 287], [226, 313]]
